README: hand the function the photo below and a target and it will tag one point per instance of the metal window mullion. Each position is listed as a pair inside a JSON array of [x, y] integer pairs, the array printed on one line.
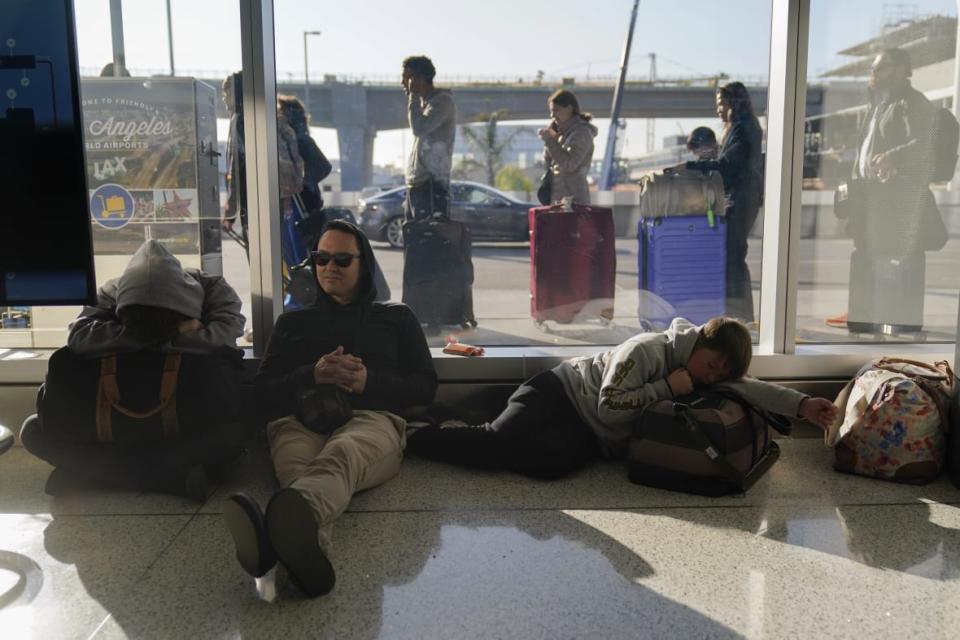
[[786, 107], [263, 189]]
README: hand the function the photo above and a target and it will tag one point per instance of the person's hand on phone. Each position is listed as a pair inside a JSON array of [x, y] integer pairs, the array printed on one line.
[[548, 133]]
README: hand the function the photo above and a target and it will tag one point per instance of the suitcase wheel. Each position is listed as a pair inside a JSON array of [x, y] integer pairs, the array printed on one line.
[[542, 326]]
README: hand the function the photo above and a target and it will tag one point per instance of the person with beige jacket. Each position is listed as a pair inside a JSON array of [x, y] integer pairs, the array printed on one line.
[[568, 143]]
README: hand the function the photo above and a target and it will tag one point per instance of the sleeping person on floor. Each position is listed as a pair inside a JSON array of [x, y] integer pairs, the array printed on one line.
[[560, 420], [155, 307]]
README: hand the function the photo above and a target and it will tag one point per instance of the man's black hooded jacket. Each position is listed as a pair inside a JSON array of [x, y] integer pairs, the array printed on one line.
[[386, 336]]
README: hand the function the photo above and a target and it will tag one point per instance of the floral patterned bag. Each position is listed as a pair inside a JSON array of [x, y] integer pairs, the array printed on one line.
[[894, 421]]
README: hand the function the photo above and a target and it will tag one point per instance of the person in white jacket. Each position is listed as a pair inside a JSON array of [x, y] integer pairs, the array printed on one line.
[[562, 419], [155, 304]]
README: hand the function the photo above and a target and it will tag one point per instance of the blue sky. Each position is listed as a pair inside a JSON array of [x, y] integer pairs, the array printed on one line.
[[503, 38]]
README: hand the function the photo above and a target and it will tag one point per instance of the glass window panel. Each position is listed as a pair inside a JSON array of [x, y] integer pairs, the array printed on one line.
[[878, 252], [358, 114], [155, 135]]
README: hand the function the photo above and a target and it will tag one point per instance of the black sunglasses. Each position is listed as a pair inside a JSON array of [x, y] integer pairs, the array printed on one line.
[[342, 259]]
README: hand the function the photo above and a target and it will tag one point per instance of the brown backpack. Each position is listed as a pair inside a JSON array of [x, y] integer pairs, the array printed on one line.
[[711, 442]]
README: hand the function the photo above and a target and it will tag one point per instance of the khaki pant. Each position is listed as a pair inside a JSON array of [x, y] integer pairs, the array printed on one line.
[[329, 469]]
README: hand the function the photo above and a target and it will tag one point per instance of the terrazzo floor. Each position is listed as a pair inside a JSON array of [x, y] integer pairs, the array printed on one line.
[[440, 552]]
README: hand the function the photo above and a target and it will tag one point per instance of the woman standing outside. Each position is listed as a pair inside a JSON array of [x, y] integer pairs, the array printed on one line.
[[568, 151], [316, 167], [740, 164]]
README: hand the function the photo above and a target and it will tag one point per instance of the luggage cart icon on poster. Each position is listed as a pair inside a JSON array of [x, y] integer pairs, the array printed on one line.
[[111, 206]]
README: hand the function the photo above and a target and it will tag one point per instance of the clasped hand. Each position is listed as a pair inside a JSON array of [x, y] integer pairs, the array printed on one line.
[[342, 369]]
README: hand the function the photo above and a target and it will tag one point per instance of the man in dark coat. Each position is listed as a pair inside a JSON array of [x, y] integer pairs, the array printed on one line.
[[376, 355], [893, 216]]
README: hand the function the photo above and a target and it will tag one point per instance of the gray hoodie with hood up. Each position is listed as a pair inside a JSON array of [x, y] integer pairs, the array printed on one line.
[[154, 277], [612, 388]]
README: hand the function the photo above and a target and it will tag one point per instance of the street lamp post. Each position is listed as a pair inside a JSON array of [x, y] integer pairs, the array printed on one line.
[[170, 39], [306, 70]]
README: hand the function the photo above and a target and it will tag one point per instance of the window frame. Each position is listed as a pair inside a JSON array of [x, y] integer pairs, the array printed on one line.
[[777, 356]]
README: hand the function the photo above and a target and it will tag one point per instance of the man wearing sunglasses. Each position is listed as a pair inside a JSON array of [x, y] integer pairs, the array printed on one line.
[[376, 357]]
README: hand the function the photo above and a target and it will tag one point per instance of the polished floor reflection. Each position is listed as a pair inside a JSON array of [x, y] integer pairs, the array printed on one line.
[[444, 553]]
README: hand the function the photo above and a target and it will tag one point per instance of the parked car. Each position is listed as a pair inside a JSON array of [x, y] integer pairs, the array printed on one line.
[[491, 214]]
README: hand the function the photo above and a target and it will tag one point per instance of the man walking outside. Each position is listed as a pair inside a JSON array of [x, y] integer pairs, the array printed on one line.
[[432, 115]]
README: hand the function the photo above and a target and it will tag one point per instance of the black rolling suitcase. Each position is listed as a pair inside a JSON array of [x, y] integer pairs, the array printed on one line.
[[886, 295], [438, 271]]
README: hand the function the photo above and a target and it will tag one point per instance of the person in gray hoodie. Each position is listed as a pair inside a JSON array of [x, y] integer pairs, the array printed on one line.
[[568, 143], [560, 420], [433, 117], [154, 304], [157, 300]]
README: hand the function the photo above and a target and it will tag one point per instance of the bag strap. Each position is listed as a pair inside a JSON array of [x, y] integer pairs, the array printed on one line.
[[168, 395], [941, 367], [779, 422], [107, 392], [108, 398], [699, 438]]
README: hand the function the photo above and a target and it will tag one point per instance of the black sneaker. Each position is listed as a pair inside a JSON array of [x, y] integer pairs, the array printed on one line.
[[245, 523], [292, 529]]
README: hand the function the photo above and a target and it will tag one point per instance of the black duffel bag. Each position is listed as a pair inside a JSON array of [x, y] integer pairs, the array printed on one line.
[[138, 397]]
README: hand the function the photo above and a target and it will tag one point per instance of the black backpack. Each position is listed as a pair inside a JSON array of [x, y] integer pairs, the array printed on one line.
[[138, 397], [946, 139]]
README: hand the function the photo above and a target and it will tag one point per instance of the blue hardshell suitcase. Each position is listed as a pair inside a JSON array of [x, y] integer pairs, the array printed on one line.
[[682, 269]]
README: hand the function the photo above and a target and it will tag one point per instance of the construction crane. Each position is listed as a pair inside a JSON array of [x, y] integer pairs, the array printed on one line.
[[607, 177]]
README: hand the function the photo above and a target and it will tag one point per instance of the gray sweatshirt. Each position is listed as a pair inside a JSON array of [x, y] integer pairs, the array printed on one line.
[[433, 121], [154, 277], [610, 389], [570, 157]]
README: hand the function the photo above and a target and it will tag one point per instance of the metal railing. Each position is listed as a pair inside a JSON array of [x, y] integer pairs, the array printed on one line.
[[385, 79]]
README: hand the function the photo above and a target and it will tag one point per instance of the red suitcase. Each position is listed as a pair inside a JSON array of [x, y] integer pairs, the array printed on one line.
[[572, 263]]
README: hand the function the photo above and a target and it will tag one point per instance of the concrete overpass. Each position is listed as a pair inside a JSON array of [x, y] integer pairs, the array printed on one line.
[[359, 110]]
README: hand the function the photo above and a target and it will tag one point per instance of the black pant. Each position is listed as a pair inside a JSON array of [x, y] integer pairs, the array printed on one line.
[[740, 219], [426, 199], [538, 434], [739, 289], [154, 466]]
